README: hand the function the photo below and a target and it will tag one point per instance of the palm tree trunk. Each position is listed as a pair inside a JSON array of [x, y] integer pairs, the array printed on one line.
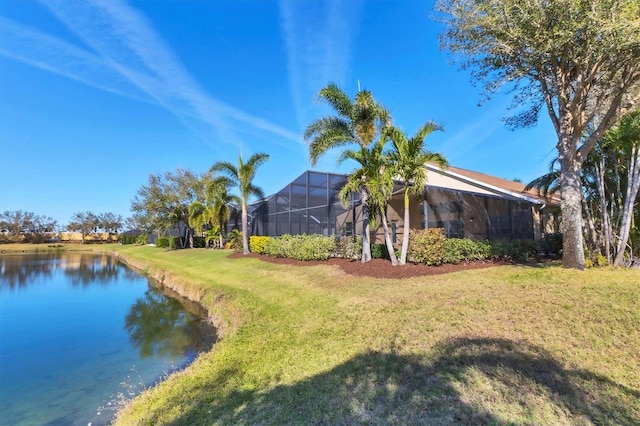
[[633, 186], [245, 225], [387, 238], [366, 243], [405, 229]]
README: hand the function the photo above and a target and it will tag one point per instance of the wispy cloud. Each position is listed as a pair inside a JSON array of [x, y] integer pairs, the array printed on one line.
[[130, 59], [473, 134], [318, 38]]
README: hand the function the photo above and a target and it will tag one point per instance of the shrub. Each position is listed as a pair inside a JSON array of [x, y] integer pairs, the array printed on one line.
[[458, 250], [279, 246], [174, 243], [258, 244], [427, 246], [301, 247], [379, 251], [521, 250], [235, 239], [142, 239], [552, 243], [128, 239], [199, 242], [315, 247], [349, 247], [162, 242]]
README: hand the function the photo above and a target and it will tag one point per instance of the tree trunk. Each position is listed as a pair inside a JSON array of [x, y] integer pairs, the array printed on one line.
[[366, 244], [606, 230], [570, 206], [245, 234], [387, 238], [633, 186], [405, 229], [593, 235]]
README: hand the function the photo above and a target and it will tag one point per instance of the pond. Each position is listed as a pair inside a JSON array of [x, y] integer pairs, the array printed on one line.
[[80, 334]]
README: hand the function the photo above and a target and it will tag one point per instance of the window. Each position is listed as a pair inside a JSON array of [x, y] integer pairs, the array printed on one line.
[[394, 231], [348, 228]]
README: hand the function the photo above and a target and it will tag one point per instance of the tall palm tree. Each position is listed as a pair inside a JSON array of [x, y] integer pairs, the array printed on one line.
[[408, 158], [242, 176], [358, 121], [375, 175]]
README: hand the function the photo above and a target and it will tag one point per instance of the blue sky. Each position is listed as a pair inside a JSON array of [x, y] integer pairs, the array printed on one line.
[[97, 95]]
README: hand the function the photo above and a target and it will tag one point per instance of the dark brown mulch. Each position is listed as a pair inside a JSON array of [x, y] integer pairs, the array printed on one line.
[[377, 268]]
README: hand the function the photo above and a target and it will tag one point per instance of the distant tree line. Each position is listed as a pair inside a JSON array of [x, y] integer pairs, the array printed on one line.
[[18, 224], [88, 222], [23, 226]]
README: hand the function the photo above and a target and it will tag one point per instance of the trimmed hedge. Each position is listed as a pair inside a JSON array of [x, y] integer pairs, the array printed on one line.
[[432, 247], [162, 242], [174, 243], [258, 244], [301, 247], [427, 246], [521, 250], [458, 250]]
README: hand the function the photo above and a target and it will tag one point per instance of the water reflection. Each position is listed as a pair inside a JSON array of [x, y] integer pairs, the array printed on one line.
[[20, 271], [160, 326], [94, 320]]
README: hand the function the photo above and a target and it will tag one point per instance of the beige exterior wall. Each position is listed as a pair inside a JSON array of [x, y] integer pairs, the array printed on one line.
[[76, 237], [440, 180]]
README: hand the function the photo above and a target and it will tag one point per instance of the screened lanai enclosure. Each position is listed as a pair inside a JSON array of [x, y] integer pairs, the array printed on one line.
[[308, 205], [311, 205]]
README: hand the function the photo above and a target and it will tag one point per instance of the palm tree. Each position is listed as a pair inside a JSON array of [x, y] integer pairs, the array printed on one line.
[[242, 176], [199, 215], [358, 121], [408, 158], [610, 178], [376, 177], [218, 192]]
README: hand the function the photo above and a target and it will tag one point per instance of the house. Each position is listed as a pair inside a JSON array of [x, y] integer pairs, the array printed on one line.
[[466, 204]]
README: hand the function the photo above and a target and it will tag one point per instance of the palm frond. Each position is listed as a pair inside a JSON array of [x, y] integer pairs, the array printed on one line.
[[337, 98]]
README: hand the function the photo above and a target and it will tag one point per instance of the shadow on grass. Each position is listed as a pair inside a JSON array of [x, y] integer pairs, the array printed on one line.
[[467, 381]]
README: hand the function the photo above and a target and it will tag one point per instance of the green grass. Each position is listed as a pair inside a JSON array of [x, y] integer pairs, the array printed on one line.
[[311, 345]]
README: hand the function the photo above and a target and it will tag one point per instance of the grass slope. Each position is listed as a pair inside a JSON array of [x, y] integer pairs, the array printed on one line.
[[310, 345]]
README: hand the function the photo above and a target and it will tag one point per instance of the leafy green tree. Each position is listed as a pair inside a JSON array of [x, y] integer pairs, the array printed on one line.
[[242, 175], [164, 202], [375, 176], [85, 223], [408, 158], [577, 59], [358, 121]]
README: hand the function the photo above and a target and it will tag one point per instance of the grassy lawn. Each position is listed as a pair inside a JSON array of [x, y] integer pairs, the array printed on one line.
[[311, 345]]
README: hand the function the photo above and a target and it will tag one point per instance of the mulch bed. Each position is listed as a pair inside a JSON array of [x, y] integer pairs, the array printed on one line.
[[377, 268]]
